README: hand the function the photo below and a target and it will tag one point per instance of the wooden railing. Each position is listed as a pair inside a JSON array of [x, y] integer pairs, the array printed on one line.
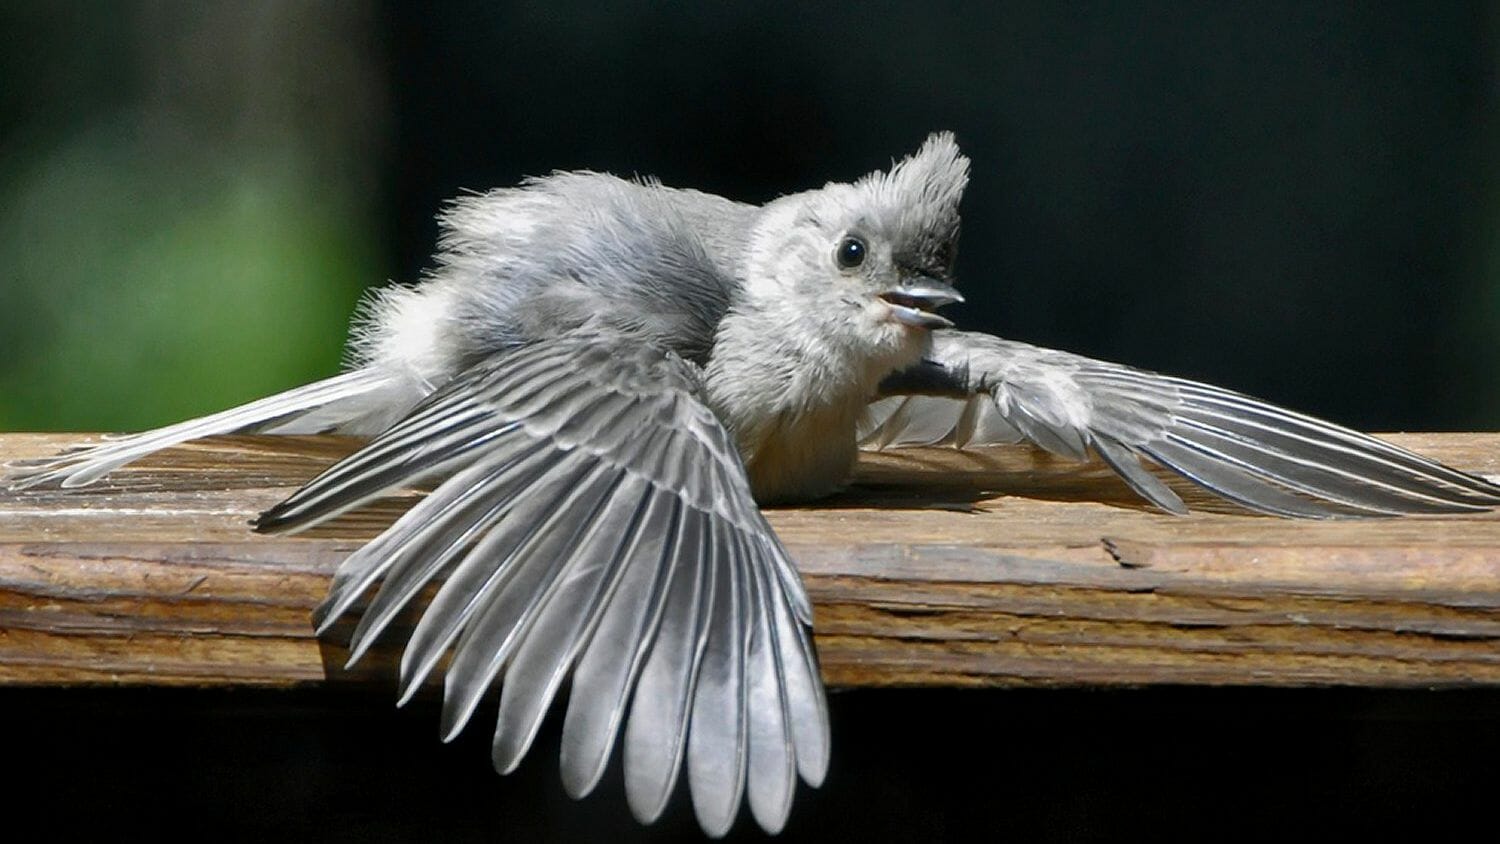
[[938, 568]]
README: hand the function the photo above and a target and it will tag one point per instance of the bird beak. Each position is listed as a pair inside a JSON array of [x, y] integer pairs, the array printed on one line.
[[914, 300]]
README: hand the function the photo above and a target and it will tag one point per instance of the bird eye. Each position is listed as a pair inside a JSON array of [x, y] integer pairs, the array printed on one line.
[[850, 254]]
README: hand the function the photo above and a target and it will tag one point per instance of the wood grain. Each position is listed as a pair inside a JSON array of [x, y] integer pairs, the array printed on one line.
[[1002, 567]]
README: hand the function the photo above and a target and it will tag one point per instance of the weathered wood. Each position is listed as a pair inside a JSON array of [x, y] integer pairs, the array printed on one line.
[[921, 575]]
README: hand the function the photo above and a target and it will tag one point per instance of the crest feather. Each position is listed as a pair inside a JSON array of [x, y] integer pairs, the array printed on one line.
[[923, 191], [934, 176]]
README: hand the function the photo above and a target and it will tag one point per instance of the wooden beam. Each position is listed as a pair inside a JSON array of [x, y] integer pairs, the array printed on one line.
[[925, 573]]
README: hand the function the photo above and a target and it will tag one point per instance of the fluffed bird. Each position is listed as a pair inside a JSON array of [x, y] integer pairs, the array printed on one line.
[[605, 378]]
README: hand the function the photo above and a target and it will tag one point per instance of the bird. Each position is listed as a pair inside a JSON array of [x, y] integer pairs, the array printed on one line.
[[602, 381]]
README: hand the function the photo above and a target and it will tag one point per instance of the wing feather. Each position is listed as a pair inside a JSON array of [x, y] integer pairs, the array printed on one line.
[[1318, 473], [508, 611], [807, 706], [517, 491], [517, 556], [594, 520], [1124, 462], [610, 666], [716, 753], [567, 619], [771, 768], [320, 406], [656, 731], [1251, 452], [407, 546]]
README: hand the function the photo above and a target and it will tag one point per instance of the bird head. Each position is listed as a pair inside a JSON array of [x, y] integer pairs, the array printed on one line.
[[871, 261]]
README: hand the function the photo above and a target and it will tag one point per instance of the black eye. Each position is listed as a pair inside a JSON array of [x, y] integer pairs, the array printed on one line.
[[850, 254]]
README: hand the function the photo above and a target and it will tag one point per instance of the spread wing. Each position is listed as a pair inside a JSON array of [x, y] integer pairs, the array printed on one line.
[[354, 402], [976, 389], [595, 522]]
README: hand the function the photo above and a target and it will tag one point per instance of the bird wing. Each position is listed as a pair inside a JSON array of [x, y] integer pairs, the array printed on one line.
[[594, 519], [975, 389], [352, 402]]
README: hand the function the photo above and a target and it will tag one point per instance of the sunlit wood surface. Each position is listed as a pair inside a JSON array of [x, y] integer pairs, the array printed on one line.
[[938, 568]]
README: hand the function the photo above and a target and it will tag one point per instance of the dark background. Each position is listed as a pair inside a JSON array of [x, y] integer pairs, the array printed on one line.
[[1170, 764], [1297, 200]]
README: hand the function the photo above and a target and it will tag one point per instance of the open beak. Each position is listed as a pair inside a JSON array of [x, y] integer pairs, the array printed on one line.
[[915, 300]]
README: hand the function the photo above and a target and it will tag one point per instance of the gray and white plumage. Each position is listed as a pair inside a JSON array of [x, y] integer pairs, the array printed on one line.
[[606, 377]]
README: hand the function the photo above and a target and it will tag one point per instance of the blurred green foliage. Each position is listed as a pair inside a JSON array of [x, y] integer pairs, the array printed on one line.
[[200, 298], [179, 228]]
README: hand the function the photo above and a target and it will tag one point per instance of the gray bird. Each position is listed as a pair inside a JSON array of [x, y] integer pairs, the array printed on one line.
[[605, 378]]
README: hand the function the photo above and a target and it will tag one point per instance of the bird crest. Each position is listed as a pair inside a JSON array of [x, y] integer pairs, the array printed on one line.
[[921, 194]]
